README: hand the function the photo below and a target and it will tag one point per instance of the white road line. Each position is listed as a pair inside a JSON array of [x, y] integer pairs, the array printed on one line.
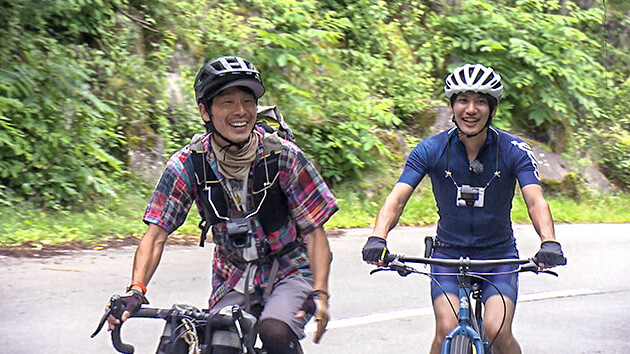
[[557, 294], [428, 311]]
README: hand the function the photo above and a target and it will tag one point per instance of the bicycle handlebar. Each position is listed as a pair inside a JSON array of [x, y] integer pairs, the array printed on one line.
[[397, 262], [116, 309], [461, 262]]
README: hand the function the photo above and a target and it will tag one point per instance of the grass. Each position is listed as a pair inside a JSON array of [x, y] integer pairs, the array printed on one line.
[[97, 226], [94, 226]]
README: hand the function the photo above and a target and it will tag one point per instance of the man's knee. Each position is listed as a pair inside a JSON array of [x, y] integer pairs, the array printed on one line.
[[444, 326], [497, 329], [445, 318], [278, 338], [497, 319]]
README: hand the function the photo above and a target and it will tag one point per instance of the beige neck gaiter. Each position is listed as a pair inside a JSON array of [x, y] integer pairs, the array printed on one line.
[[235, 164]]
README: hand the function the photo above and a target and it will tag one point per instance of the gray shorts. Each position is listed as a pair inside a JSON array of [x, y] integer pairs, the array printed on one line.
[[283, 303]]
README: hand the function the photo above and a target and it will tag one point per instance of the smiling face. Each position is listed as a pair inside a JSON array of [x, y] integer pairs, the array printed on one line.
[[471, 111], [233, 113]]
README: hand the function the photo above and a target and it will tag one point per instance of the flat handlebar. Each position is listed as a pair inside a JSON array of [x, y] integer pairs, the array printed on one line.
[[461, 262], [465, 265]]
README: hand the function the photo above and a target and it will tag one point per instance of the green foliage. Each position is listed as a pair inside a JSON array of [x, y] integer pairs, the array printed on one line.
[[72, 94], [118, 219], [57, 130], [548, 64], [87, 83], [43, 228], [615, 156], [586, 209]]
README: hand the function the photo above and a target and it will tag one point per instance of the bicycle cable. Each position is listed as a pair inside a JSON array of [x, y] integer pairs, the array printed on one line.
[[188, 323], [472, 275], [404, 270]]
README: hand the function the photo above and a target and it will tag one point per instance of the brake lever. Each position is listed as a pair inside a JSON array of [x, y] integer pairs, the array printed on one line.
[[533, 267], [549, 272], [403, 271], [379, 269], [115, 308], [101, 323]]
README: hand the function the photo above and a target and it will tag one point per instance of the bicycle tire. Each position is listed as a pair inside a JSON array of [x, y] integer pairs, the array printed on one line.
[[461, 344]]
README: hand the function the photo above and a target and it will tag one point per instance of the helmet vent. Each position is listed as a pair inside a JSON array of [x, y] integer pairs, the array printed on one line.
[[488, 79], [476, 78]]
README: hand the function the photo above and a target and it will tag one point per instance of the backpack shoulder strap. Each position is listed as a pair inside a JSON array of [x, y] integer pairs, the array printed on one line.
[[203, 176]]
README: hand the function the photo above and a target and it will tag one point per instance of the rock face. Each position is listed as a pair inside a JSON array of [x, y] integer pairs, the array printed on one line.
[[550, 165], [554, 169], [148, 163], [596, 180]]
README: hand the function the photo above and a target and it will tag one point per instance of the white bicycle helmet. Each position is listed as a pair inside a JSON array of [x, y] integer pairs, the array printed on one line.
[[474, 77]]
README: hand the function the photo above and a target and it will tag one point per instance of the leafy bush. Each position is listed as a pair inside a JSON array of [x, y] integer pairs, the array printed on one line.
[[548, 64], [85, 83], [56, 146], [615, 156]]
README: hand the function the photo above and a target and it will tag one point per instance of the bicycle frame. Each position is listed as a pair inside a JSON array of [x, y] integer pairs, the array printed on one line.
[[465, 319]]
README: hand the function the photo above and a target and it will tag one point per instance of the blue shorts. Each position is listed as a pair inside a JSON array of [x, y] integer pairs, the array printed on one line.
[[507, 284]]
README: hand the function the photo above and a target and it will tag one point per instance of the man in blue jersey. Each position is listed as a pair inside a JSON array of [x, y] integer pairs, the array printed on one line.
[[473, 169]]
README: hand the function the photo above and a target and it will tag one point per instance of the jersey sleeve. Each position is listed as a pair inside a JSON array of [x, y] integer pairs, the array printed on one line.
[[173, 194], [417, 165], [525, 163]]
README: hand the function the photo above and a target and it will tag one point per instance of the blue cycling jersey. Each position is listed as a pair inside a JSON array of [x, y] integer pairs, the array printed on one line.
[[505, 159]]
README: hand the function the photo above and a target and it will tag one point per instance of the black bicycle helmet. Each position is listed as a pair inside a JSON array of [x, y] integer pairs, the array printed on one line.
[[221, 73]]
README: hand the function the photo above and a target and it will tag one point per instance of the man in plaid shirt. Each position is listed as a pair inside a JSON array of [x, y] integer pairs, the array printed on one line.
[[276, 264]]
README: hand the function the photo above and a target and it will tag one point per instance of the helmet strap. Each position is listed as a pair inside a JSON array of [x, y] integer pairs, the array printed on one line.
[[210, 127]]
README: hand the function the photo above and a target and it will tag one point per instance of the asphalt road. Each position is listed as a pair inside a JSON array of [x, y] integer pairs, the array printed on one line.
[[52, 305]]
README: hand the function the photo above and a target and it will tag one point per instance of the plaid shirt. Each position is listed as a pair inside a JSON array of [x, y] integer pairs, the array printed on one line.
[[309, 199]]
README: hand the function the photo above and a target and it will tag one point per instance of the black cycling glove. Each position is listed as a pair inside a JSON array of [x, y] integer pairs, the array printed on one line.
[[550, 254], [375, 249], [131, 301]]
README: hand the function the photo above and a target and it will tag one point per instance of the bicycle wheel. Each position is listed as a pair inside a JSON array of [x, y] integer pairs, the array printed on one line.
[[462, 345]]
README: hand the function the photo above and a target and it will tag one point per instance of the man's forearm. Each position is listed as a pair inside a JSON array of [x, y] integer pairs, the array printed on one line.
[[539, 212], [391, 210], [318, 250], [543, 222], [148, 254]]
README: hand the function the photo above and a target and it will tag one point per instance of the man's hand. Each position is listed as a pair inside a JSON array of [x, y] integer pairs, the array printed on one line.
[[375, 250], [131, 303], [550, 255], [316, 304]]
